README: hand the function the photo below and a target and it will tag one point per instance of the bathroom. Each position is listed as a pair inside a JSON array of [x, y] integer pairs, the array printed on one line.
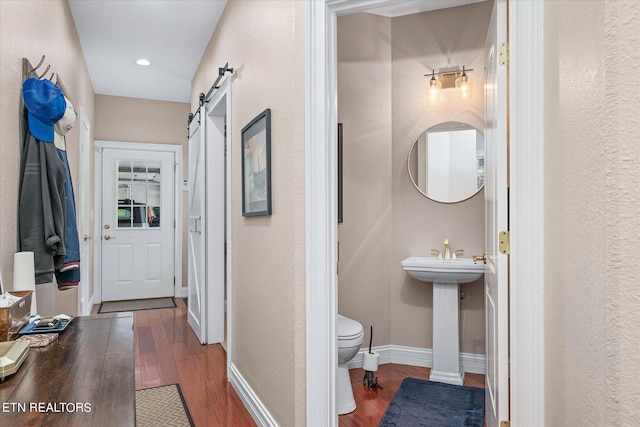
[[385, 218]]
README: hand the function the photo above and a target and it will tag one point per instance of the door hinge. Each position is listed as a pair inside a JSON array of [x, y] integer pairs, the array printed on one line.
[[174, 280], [505, 423], [174, 223], [505, 242], [503, 54]]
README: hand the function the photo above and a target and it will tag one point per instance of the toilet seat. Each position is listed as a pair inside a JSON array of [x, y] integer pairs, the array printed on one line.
[[350, 332]]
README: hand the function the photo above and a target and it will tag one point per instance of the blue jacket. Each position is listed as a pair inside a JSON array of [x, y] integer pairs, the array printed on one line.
[[69, 274]]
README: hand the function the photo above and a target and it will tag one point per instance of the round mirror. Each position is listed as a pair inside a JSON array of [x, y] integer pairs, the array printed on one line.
[[446, 163]]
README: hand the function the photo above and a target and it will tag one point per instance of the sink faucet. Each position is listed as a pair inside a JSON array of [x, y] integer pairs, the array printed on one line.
[[447, 251]]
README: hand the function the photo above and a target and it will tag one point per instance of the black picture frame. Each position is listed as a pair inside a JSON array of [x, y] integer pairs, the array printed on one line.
[[256, 166], [340, 172]]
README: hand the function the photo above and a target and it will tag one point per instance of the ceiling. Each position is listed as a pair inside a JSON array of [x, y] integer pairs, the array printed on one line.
[[172, 34]]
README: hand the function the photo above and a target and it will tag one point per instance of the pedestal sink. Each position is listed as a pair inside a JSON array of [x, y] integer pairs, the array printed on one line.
[[446, 276]]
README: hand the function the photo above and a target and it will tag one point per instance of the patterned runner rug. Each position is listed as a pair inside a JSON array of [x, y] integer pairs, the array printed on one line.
[[136, 304], [162, 406]]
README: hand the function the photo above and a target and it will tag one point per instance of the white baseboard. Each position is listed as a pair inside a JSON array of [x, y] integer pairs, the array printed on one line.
[[256, 408], [181, 292], [415, 356]]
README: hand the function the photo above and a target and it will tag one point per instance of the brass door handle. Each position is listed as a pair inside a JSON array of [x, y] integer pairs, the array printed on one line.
[[108, 237], [86, 237], [482, 258]]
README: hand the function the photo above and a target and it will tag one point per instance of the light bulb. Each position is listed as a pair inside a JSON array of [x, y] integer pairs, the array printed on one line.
[[433, 89], [463, 87]]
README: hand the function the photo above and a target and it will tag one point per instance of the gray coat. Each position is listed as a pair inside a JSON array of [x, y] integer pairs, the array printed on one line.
[[41, 206]]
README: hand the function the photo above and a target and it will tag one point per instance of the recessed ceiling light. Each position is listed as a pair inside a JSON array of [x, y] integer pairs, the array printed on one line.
[[143, 62]]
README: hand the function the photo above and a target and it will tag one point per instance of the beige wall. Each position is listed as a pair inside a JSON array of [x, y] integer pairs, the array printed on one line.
[[264, 42], [381, 70], [421, 42], [30, 29], [364, 108], [592, 212], [143, 120]]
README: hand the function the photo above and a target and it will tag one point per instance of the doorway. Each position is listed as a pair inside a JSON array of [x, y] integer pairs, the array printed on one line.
[[209, 242], [138, 250], [526, 98]]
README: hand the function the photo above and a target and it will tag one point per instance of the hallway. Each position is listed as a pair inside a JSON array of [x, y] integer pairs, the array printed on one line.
[[167, 352]]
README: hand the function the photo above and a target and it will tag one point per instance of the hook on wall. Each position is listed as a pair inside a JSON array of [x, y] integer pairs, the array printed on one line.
[[29, 71], [32, 71], [37, 66]]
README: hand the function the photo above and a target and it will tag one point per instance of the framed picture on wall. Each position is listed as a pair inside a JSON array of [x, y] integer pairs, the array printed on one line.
[[256, 166]]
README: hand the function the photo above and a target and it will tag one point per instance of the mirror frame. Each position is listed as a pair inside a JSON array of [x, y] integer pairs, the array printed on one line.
[[413, 147]]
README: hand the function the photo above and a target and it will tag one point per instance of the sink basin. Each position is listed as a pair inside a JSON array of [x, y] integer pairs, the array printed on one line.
[[429, 269]]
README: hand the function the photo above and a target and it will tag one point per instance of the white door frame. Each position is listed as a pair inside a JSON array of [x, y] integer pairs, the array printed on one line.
[[97, 224], [217, 114], [84, 211], [527, 212], [218, 108]]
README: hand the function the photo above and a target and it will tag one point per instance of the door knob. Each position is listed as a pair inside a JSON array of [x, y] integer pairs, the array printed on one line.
[[108, 237], [86, 237], [107, 226], [482, 258]]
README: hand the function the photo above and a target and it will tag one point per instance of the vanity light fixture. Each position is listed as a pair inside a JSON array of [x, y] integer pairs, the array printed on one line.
[[434, 88], [446, 78], [143, 62]]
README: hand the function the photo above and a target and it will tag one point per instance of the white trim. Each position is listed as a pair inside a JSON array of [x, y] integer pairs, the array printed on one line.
[[217, 115], [416, 356], [526, 20], [97, 231], [90, 304], [97, 199], [252, 402], [181, 292], [527, 322], [83, 216], [321, 216]]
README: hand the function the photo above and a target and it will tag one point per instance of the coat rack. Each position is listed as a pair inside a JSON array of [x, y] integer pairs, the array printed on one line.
[[29, 71]]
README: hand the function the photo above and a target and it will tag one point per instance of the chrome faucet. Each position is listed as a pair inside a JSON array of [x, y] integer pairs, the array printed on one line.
[[447, 250]]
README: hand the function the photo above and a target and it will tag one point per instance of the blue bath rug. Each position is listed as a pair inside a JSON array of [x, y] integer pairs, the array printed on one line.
[[432, 404]]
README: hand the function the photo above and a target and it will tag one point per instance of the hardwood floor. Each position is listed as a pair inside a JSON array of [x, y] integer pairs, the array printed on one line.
[[167, 352]]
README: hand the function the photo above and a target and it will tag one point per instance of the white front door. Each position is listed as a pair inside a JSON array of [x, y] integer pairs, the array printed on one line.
[[138, 224], [196, 311], [84, 210], [496, 214]]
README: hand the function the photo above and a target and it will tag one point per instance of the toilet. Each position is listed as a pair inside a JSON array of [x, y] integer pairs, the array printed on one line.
[[350, 335]]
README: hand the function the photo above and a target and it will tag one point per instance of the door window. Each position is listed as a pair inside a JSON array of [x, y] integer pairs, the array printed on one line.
[[138, 195]]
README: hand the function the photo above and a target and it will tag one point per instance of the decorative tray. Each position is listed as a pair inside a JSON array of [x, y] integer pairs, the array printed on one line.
[[62, 325]]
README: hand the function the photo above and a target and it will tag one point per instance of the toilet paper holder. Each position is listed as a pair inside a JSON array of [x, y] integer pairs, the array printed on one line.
[[370, 365]]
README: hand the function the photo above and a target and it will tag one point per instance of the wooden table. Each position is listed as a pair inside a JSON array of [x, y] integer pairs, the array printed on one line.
[[86, 378]]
